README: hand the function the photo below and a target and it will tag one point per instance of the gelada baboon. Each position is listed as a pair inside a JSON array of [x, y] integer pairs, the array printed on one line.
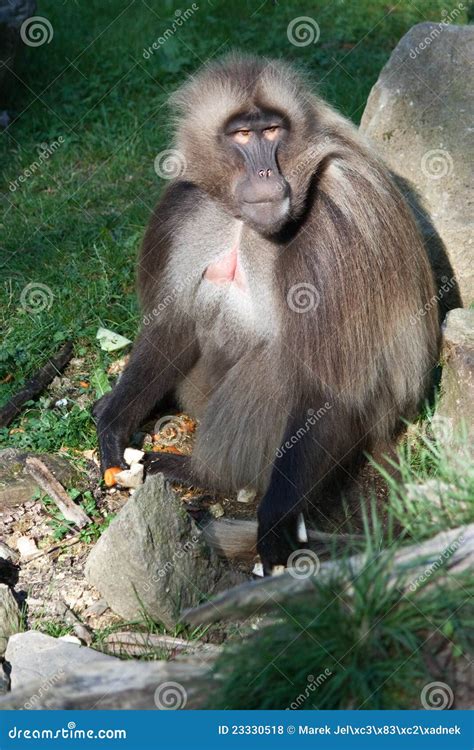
[[287, 299]]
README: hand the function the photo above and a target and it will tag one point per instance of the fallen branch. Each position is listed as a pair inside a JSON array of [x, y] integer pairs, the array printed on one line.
[[36, 385], [233, 539], [140, 644], [42, 553], [452, 550], [48, 482]]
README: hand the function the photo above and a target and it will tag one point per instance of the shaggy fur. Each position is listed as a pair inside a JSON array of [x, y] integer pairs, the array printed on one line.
[[336, 321]]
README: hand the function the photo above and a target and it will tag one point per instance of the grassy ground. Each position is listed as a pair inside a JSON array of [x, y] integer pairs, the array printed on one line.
[[76, 223]]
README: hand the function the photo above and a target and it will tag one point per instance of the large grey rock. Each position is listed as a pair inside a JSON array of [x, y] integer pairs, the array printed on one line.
[[35, 656], [18, 486], [420, 114], [455, 413], [153, 560], [118, 685], [10, 619]]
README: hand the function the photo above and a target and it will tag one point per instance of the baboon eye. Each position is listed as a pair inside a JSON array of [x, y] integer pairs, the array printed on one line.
[[271, 133], [242, 136]]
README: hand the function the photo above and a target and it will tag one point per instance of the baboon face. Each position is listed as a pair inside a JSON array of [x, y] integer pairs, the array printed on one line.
[[242, 124], [259, 193]]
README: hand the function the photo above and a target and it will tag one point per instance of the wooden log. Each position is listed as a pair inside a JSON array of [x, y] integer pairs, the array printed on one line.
[[48, 482], [235, 538], [453, 549], [119, 685], [35, 385], [127, 643]]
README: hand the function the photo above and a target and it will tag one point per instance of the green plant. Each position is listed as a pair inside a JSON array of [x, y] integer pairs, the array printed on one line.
[[359, 641], [434, 486], [61, 527]]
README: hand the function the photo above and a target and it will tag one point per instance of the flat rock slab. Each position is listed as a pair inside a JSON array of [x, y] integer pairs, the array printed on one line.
[[34, 657], [17, 486], [420, 114], [117, 684], [153, 560]]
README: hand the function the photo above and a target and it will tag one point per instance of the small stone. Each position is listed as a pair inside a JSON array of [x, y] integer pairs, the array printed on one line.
[[247, 495], [98, 608], [216, 510], [26, 547]]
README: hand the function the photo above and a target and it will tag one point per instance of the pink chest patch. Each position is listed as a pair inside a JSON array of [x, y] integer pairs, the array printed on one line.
[[226, 270]]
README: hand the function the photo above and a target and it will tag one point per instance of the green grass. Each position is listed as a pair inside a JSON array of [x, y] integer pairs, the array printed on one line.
[[445, 470], [75, 225], [61, 527], [358, 643]]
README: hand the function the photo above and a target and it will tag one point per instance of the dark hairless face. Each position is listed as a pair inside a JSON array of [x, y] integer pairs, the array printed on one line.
[[260, 191]]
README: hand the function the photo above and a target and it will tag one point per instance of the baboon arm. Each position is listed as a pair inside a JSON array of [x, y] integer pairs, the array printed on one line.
[[155, 367]]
